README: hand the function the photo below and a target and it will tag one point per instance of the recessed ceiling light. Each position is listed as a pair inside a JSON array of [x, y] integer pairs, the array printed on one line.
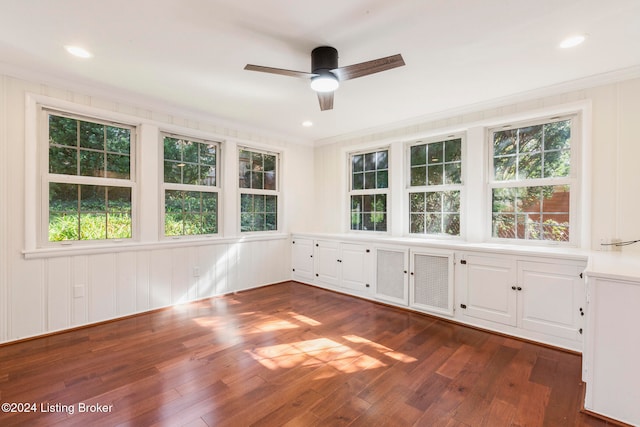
[[78, 51], [307, 123], [572, 41]]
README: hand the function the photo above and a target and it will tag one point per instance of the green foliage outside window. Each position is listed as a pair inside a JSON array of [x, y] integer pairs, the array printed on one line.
[[435, 212], [258, 174], [258, 212], [257, 170], [435, 165], [532, 213], [190, 163], [190, 213], [88, 212], [82, 148], [369, 212], [370, 170], [541, 151], [540, 212], [78, 211], [369, 175]]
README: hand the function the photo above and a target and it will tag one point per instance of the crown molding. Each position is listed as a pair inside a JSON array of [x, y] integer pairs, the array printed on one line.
[[231, 127], [552, 90]]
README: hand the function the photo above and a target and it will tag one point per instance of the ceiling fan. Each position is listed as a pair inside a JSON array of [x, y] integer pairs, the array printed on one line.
[[325, 74]]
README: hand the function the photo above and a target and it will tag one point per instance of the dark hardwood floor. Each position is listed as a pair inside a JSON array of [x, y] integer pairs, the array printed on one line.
[[288, 355]]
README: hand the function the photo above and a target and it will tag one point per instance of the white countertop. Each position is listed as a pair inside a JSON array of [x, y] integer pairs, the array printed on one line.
[[614, 265], [543, 251]]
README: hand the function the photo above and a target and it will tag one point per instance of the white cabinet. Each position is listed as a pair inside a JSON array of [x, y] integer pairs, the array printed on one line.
[[532, 296], [431, 281], [392, 265], [302, 259], [342, 265], [355, 266], [489, 290], [326, 261], [552, 298], [612, 342], [419, 278], [535, 298]]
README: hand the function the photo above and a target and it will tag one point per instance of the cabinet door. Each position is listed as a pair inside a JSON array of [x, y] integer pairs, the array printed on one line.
[[431, 281], [326, 262], [355, 269], [391, 275], [489, 284], [302, 259], [550, 298], [613, 349]]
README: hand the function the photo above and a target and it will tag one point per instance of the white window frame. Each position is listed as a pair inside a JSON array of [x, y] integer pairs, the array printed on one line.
[[256, 191], [369, 191], [435, 188], [164, 186], [42, 232], [574, 179]]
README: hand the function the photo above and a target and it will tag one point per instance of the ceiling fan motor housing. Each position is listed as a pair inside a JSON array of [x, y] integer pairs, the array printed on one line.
[[324, 58]]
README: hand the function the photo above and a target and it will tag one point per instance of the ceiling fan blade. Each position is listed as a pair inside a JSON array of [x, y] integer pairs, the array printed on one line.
[[370, 67], [326, 100], [282, 72]]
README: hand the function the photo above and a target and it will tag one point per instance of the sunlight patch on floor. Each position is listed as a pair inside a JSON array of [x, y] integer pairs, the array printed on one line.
[[276, 325], [324, 351], [304, 319], [400, 357]]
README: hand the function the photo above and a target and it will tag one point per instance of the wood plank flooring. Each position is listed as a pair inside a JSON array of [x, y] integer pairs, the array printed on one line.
[[288, 355]]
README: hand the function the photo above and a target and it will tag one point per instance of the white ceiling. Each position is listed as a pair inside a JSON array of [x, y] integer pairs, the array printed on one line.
[[190, 54]]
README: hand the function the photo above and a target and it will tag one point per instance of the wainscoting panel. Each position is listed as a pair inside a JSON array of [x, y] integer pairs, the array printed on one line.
[[53, 294], [58, 284]]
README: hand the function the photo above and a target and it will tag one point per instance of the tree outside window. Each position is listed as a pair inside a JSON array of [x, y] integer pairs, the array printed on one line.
[[258, 183], [531, 187], [435, 182], [89, 179], [190, 186], [369, 190]]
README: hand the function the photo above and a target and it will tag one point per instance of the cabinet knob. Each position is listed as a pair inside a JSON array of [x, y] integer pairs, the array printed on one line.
[[513, 287], [519, 288]]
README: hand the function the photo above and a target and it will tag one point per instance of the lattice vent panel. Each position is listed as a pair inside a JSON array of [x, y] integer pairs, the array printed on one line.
[[390, 274], [431, 281]]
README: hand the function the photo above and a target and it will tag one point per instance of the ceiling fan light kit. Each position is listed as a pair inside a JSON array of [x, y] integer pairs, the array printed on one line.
[[325, 74], [325, 82]]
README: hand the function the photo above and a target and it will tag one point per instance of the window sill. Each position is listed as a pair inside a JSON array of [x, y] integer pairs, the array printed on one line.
[[122, 246]]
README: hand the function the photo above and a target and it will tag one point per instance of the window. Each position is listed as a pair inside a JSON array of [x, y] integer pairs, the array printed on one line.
[[369, 190], [258, 182], [89, 179], [532, 181], [435, 182], [191, 189]]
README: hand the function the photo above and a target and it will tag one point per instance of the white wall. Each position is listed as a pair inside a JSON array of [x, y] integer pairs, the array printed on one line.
[[51, 293], [48, 293], [612, 204]]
